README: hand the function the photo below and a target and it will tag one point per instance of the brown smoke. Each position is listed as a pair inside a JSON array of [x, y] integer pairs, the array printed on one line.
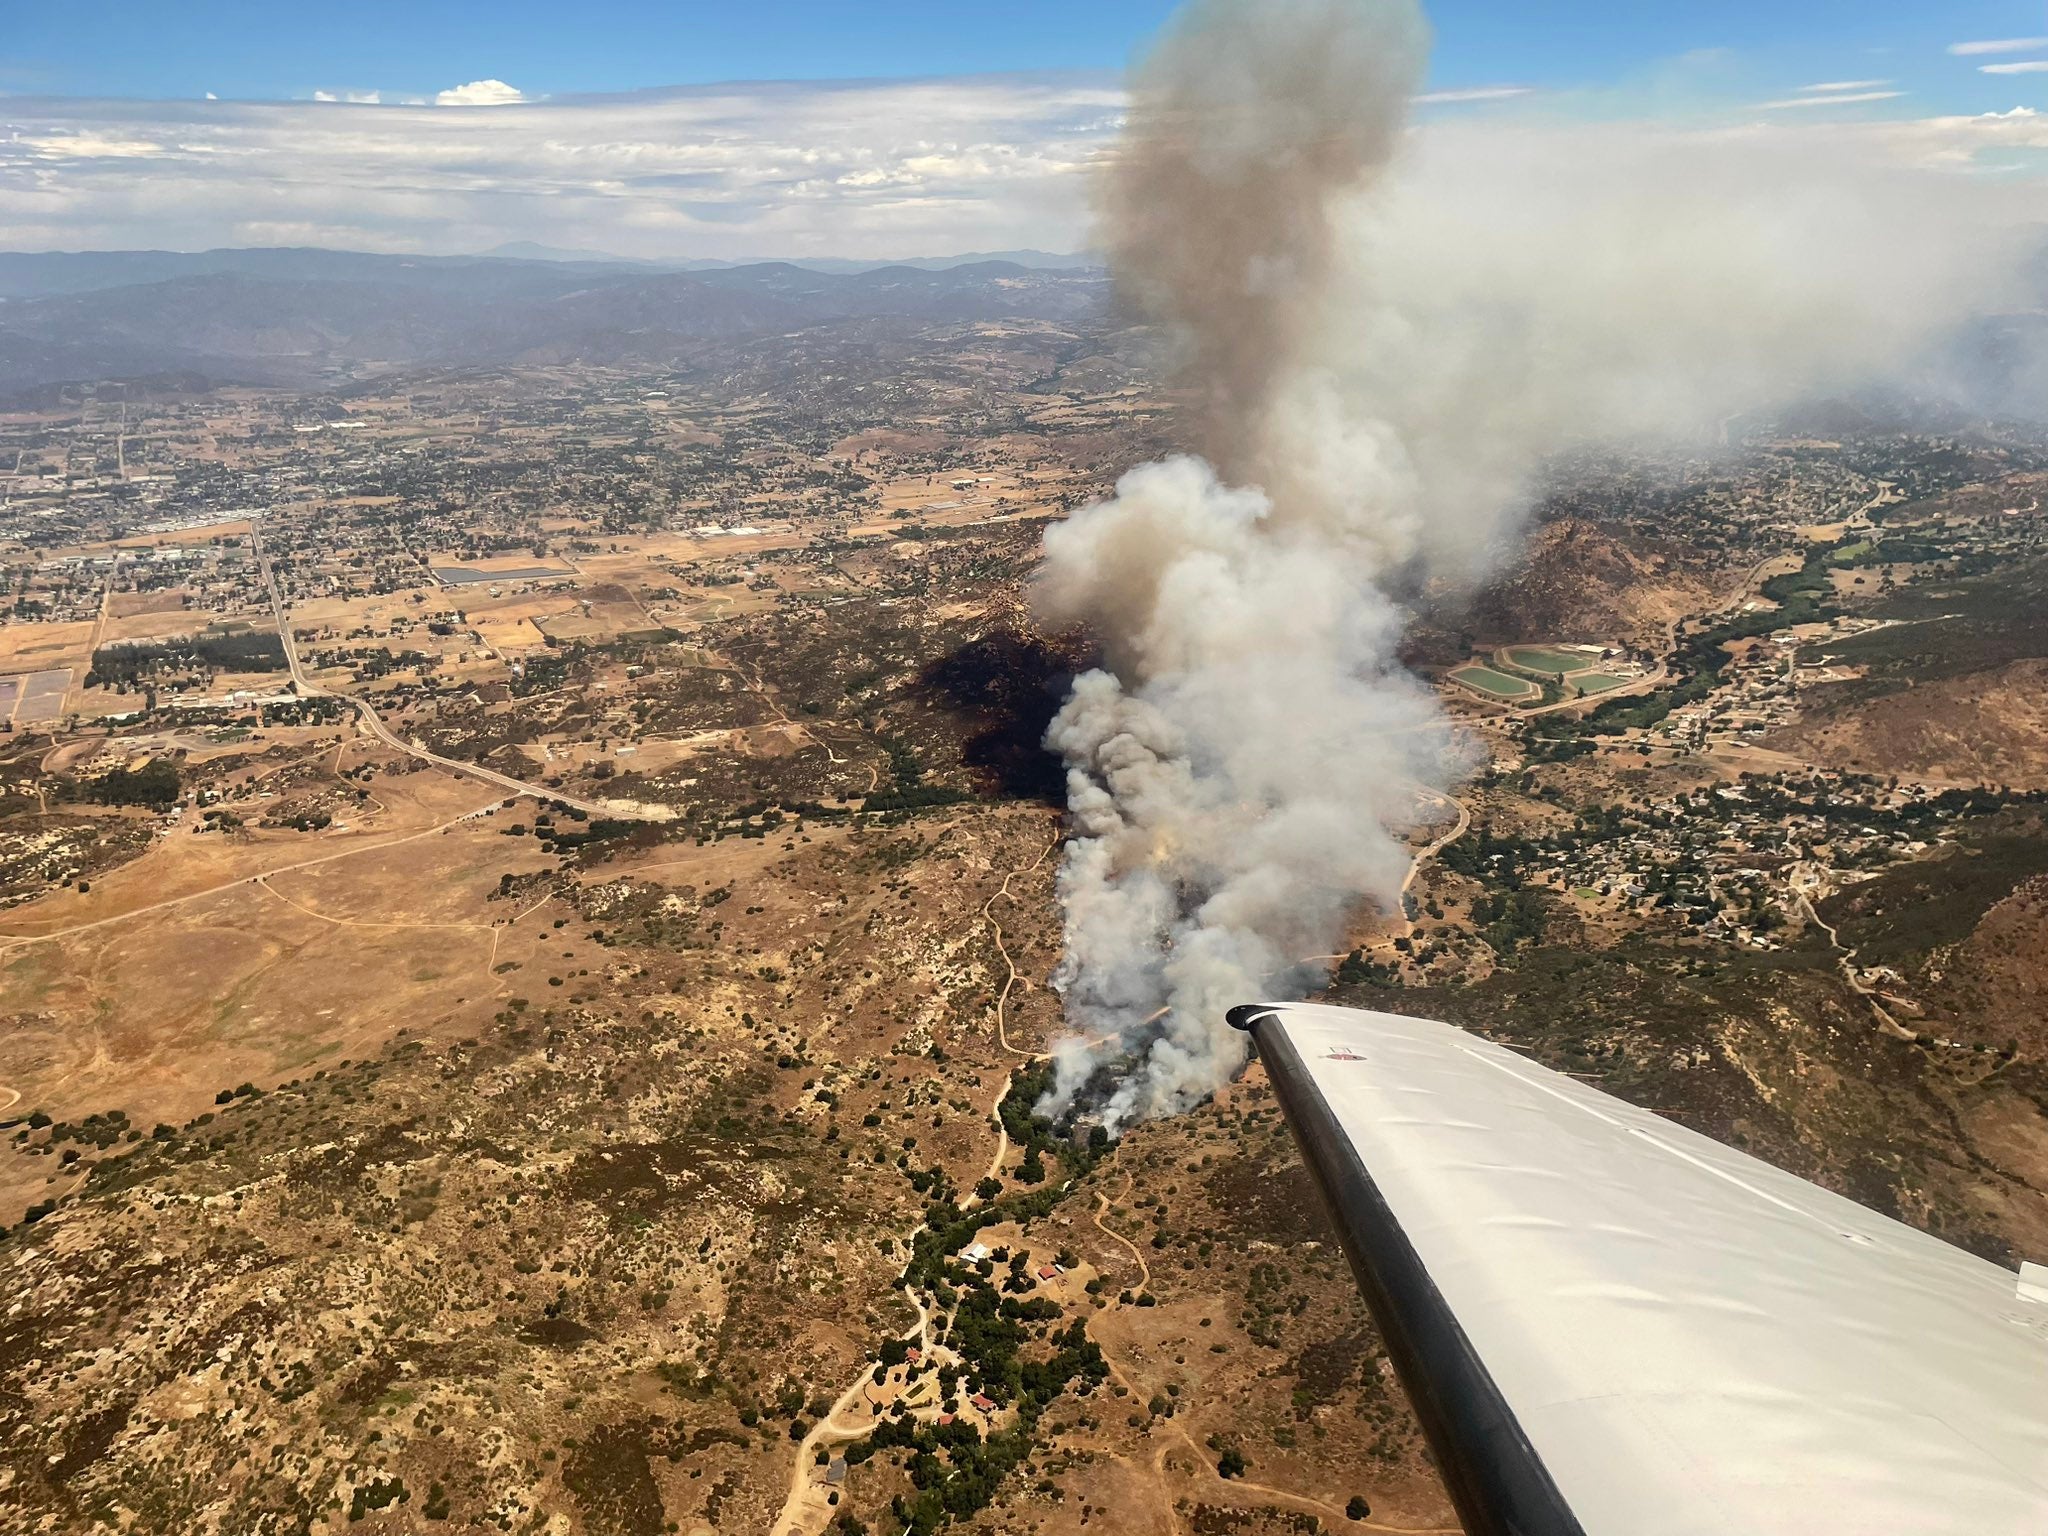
[[1216, 211]]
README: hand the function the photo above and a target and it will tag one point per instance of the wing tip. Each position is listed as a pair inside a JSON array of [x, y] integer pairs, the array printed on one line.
[[1246, 1015]]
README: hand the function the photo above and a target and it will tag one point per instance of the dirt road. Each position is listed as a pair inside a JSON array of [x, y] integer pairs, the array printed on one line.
[[1846, 959], [374, 724], [805, 1510], [1202, 1464], [16, 941]]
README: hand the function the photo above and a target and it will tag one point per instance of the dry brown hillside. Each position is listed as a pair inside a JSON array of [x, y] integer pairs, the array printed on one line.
[[1580, 580], [1988, 727]]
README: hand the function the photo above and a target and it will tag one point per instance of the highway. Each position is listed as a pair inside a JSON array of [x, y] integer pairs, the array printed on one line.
[[307, 688]]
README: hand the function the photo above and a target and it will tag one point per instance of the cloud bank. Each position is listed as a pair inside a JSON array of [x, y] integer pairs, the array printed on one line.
[[854, 168], [1997, 45], [845, 169]]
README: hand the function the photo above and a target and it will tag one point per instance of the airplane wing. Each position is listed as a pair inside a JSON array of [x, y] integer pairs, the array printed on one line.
[[1611, 1325]]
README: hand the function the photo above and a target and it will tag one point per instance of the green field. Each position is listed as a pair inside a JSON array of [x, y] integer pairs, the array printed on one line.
[[1547, 659], [1596, 682], [1495, 685]]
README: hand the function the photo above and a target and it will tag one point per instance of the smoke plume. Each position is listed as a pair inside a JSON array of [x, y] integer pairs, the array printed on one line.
[[1385, 334]]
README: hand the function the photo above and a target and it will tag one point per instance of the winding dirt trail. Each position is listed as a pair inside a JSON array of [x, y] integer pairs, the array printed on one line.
[[1463, 825], [1011, 980], [1332, 1513], [782, 716], [804, 1509], [1203, 1462], [1845, 961], [1102, 1208], [1409, 925]]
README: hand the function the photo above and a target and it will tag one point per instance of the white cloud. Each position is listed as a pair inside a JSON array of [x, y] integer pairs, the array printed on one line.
[[1842, 99], [1474, 93], [2021, 67], [865, 169], [357, 98], [1998, 45], [1985, 140], [862, 169], [1830, 86], [86, 143], [480, 93]]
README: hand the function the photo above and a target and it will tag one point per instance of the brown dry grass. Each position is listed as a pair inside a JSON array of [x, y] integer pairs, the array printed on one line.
[[1988, 727], [248, 976], [204, 534], [40, 647]]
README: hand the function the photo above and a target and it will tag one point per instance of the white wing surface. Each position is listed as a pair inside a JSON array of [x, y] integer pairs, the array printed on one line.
[[1614, 1326]]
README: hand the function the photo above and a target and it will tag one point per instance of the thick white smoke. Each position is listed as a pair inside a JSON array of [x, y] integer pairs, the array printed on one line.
[[1385, 333]]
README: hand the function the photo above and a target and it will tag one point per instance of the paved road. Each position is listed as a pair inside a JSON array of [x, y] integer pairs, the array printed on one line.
[[624, 810]]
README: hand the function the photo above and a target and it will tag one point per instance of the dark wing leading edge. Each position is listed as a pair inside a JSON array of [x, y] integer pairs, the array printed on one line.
[[1615, 1326]]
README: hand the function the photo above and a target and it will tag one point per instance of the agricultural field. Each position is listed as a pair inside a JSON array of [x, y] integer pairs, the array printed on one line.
[[1549, 660], [1494, 685], [1586, 684]]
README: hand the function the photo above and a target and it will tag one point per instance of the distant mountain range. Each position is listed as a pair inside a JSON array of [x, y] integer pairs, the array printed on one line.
[[37, 274], [526, 250], [291, 315]]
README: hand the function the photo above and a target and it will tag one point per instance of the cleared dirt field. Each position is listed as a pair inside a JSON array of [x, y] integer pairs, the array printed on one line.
[[596, 621], [508, 632], [157, 624], [521, 621], [339, 945], [40, 647], [346, 612], [205, 534], [476, 575], [628, 558], [647, 754], [124, 605]]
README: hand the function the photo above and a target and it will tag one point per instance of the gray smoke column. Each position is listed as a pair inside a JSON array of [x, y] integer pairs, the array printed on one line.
[[1386, 333], [1230, 778], [1245, 123]]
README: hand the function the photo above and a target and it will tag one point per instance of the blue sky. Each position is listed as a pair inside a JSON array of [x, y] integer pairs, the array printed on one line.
[[260, 49], [868, 128]]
